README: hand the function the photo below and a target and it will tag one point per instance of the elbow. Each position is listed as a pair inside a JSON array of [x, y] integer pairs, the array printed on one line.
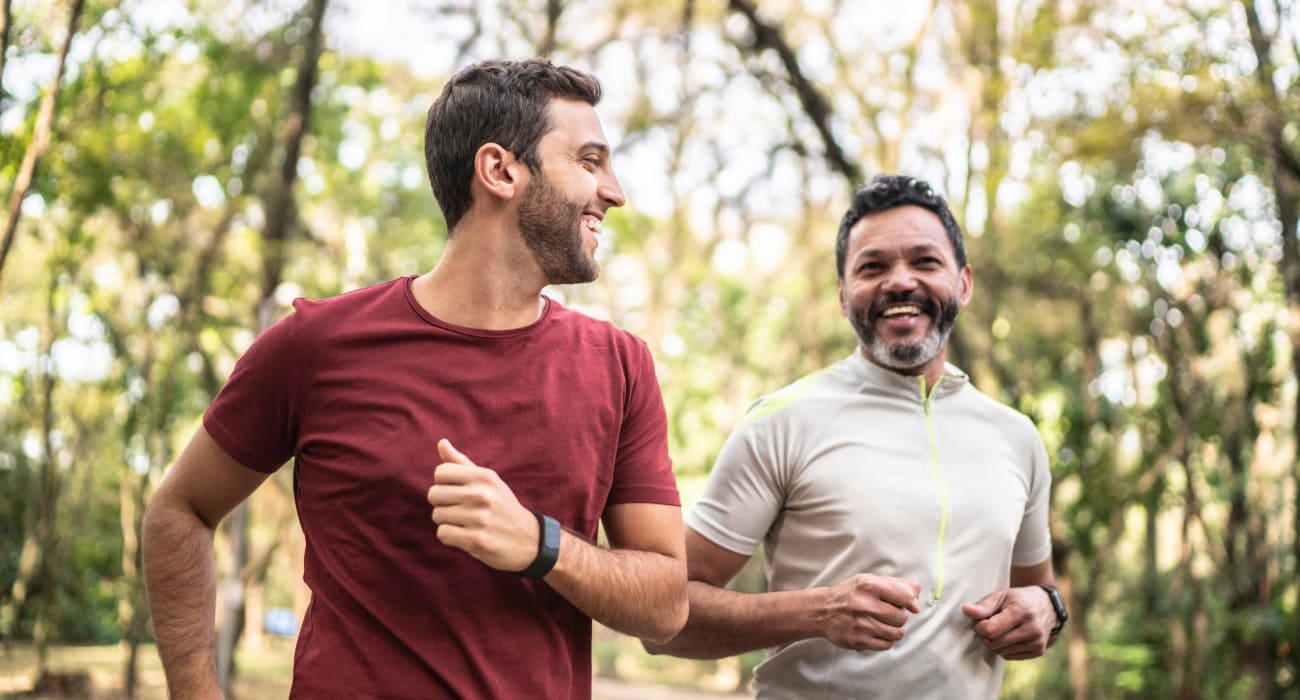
[[667, 625], [660, 643], [655, 648], [669, 642], [149, 522], [158, 517], [166, 520]]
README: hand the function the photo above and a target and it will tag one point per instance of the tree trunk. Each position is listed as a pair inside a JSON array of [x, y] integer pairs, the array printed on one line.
[[980, 33], [34, 568], [280, 207], [548, 43], [1244, 579], [131, 606], [1153, 632], [1076, 633], [1176, 652], [40, 133], [1286, 190]]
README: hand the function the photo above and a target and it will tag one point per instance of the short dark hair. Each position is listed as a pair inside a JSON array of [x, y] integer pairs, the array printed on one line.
[[501, 102], [886, 192]]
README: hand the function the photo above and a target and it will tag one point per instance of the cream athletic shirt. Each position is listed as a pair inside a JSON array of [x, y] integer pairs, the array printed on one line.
[[854, 470]]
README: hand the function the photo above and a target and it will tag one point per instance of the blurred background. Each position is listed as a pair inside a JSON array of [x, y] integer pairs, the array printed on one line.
[[1127, 173]]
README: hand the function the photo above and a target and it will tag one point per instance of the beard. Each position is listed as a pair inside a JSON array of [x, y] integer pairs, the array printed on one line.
[[551, 227], [904, 355]]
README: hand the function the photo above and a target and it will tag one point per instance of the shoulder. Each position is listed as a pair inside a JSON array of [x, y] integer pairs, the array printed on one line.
[[365, 302], [358, 315], [803, 403], [597, 333], [1015, 426]]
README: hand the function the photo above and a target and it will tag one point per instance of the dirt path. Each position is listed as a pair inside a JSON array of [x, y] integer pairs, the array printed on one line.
[[265, 676], [610, 689]]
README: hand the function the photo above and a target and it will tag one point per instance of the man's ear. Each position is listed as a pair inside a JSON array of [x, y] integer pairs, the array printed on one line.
[[967, 282], [498, 171], [839, 285]]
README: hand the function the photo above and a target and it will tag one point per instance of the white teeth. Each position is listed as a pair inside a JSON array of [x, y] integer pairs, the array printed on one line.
[[594, 225], [897, 310]]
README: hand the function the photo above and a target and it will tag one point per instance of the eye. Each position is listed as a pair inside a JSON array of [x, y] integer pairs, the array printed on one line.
[[928, 262]]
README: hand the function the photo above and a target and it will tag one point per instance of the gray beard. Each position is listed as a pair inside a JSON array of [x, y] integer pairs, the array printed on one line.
[[906, 356]]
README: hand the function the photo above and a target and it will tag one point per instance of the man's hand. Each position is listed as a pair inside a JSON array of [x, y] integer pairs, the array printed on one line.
[[867, 612], [1015, 623], [478, 514]]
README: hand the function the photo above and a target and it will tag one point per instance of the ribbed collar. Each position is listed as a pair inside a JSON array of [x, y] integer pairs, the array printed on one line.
[[549, 309], [878, 378]]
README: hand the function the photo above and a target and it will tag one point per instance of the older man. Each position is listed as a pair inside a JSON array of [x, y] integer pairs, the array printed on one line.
[[903, 513]]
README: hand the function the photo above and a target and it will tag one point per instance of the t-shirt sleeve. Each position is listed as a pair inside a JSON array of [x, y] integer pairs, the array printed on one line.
[[1034, 543], [746, 489], [643, 471], [253, 417]]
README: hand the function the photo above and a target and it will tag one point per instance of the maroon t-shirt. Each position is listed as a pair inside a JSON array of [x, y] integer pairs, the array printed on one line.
[[359, 389]]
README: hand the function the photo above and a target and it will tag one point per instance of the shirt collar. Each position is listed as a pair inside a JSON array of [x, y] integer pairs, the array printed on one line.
[[904, 385]]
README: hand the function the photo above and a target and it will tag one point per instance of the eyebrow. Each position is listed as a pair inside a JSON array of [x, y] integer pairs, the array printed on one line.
[[913, 250], [598, 146]]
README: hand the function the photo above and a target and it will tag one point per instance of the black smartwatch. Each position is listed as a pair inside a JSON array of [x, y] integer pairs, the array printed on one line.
[[1058, 606], [548, 547]]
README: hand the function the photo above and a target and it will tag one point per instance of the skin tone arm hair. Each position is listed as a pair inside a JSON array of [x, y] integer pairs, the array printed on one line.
[[637, 586], [863, 612], [177, 530]]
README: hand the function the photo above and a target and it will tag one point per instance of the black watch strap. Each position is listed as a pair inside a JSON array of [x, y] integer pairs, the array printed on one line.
[[1058, 605], [548, 547]]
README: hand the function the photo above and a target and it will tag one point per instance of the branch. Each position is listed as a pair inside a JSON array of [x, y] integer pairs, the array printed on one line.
[[553, 10], [6, 20], [767, 36], [40, 134]]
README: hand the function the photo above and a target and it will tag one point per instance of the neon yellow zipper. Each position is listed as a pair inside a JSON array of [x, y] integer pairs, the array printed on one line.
[[943, 485]]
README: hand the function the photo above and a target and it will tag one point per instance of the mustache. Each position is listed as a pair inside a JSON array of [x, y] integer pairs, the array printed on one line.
[[927, 304]]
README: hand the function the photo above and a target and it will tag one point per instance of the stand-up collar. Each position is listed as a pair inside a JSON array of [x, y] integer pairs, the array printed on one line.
[[877, 378]]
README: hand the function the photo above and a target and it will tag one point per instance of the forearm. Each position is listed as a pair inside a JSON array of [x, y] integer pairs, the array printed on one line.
[[725, 622], [180, 584], [642, 594]]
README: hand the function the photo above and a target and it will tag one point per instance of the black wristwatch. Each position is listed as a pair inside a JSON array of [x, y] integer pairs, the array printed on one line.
[[1058, 605], [548, 547]]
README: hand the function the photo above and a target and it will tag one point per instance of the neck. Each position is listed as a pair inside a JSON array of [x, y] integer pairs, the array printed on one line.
[[486, 279]]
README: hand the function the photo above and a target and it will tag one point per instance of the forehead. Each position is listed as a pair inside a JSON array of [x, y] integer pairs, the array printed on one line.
[[573, 124], [901, 228]]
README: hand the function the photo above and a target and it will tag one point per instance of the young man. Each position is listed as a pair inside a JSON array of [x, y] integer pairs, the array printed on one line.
[[457, 437], [903, 513]]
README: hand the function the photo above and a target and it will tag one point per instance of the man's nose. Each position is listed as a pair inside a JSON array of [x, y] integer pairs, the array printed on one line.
[[900, 278], [610, 192]]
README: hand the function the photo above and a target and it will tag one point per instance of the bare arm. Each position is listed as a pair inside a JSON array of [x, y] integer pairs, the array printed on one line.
[[637, 587], [864, 612], [177, 529], [1017, 622]]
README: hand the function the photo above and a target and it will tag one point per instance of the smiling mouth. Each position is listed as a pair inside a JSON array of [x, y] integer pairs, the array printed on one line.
[[592, 223]]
